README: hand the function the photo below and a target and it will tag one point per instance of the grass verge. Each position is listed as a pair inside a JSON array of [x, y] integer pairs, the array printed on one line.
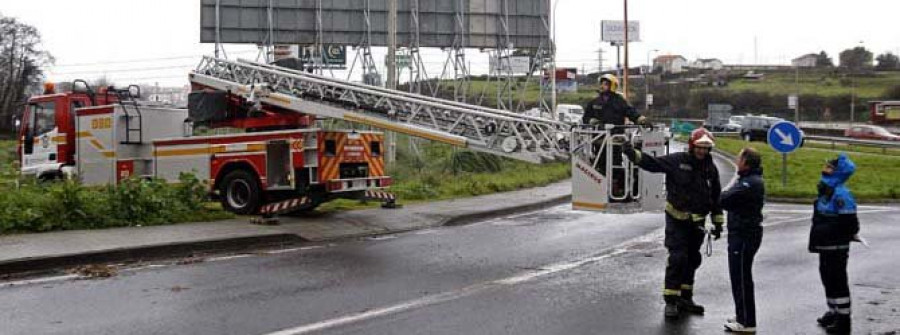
[[432, 171], [877, 176]]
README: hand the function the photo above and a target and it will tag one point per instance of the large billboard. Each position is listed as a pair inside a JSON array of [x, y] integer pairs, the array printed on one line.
[[614, 31], [343, 22]]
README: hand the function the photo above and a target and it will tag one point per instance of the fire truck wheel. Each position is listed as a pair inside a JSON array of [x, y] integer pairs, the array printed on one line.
[[241, 192]]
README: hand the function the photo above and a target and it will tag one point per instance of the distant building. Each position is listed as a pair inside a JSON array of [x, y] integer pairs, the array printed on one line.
[[670, 63], [808, 60], [708, 64]]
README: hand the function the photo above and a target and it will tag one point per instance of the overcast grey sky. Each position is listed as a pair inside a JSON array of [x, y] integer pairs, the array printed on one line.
[[157, 41]]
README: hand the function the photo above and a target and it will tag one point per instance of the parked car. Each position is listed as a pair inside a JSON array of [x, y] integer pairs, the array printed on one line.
[[756, 128], [868, 132]]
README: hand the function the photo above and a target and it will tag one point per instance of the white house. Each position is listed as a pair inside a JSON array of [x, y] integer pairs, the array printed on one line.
[[708, 64], [670, 63], [808, 60]]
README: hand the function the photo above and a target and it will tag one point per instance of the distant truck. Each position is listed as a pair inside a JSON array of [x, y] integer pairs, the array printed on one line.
[[719, 119], [885, 112]]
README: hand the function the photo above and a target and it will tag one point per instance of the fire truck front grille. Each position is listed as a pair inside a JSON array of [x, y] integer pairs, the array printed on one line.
[[354, 170]]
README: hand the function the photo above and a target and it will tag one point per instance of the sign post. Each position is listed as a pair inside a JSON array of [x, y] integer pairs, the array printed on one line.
[[784, 137]]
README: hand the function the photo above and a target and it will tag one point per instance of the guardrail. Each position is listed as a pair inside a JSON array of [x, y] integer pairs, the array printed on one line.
[[727, 134], [884, 145]]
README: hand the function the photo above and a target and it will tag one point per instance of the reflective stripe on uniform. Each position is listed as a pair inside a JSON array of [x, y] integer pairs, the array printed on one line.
[[671, 292], [843, 311], [718, 218], [833, 247], [677, 214], [839, 301], [685, 287]]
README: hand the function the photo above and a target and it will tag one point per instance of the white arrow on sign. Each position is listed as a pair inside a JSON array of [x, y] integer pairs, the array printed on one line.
[[785, 138]]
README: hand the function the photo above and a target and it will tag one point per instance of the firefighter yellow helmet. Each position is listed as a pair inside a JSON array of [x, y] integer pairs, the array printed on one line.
[[613, 81]]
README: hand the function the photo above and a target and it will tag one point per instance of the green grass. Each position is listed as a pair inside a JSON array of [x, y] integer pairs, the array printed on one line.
[[817, 82], [441, 172], [877, 176], [438, 185], [532, 93], [7, 153]]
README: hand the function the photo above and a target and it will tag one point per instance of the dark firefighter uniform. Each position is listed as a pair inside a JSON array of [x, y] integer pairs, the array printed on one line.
[[834, 226], [610, 108], [692, 193], [744, 203]]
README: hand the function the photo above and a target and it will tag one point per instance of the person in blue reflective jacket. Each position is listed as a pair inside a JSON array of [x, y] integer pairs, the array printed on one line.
[[834, 226]]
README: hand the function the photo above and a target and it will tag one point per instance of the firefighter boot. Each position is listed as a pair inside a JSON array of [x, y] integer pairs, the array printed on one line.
[[827, 319], [687, 304], [672, 311], [841, 325]]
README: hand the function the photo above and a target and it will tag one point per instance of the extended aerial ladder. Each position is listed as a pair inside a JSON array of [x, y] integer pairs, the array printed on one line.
[[474, 127], [478, 128]]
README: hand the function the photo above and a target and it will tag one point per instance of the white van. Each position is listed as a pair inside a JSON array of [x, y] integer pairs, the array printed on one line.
[[570, 114]]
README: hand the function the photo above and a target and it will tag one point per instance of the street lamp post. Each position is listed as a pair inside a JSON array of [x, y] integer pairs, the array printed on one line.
[[553, 66], [647, 81]]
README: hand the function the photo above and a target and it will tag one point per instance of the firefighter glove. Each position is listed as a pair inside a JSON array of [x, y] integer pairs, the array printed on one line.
[[628, 150], [717, 231]]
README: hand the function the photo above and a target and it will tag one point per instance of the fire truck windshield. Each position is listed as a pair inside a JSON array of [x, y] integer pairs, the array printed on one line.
[[43, 118]]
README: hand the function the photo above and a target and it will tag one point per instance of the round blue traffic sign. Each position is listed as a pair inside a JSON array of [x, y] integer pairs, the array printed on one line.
[[785, 137]]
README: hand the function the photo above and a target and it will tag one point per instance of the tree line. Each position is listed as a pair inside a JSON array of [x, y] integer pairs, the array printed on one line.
[[21, 63]]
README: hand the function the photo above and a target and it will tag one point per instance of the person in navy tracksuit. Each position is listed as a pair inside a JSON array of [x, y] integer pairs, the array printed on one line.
[[744, 202]]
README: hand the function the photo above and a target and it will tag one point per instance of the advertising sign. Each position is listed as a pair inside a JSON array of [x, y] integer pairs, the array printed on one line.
[[513, 64], [614, 31]]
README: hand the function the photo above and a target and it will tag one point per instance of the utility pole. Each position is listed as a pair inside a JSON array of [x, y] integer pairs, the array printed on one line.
[[392, 69], [600, 60], [797, 107], [852, 100], [625, 72]]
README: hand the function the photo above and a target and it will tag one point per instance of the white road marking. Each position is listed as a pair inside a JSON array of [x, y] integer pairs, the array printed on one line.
[[468, 290]]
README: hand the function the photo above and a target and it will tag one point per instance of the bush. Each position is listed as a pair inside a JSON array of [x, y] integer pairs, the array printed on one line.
[[67, 205]]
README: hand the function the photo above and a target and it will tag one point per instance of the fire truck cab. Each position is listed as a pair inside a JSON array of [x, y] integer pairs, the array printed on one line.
[[277, 166]]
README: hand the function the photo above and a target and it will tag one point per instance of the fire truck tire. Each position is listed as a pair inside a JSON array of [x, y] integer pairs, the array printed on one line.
[[241, 193]]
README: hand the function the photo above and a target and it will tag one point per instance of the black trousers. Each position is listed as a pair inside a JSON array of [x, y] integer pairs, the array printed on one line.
[[742, 247], [833, 271], [683, 241]]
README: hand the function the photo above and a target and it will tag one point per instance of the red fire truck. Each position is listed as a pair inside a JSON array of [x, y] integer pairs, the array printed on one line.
[[276, 162], [280, 160]]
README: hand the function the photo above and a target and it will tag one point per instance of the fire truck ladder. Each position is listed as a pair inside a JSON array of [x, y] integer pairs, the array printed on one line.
[[478, 128], [132, 114]]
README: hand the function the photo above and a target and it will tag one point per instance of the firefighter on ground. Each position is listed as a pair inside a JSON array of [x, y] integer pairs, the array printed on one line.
[[744, 202], [692, 193], [834, 226]]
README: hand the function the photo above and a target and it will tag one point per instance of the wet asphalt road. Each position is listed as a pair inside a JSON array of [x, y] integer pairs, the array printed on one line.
[[554, 271]]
